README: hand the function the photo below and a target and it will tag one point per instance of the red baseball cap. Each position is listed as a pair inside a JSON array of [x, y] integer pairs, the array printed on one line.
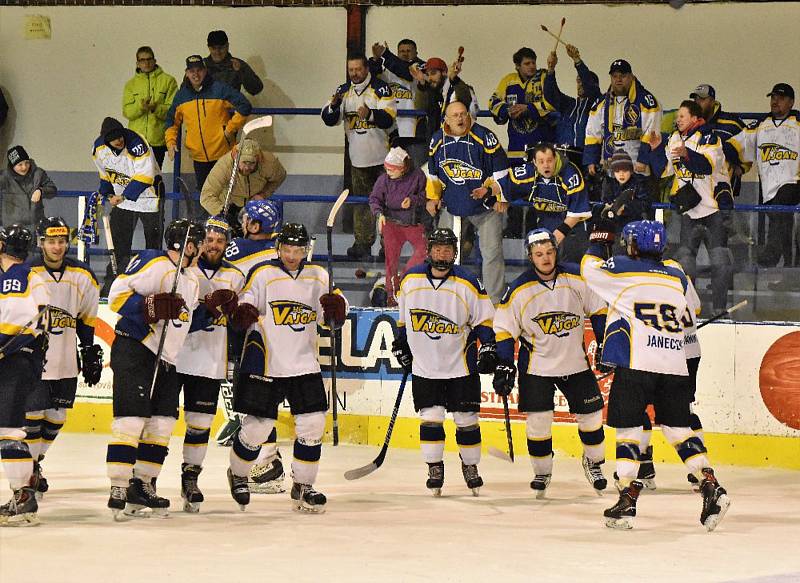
[[435, 63]]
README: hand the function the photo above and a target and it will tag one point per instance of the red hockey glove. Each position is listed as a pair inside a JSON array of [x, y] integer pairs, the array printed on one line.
[[602, 236], [333, 310], [221, 301], [244, 316], [162, 306]]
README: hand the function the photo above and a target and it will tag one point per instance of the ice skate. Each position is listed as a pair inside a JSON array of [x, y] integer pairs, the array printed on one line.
[[116, 502], [539, 484], [191, 494], [472, 478], [693, 482], [621, 515], [38, 482], [142, 500], [594, 474], [239, 490], [715, 500], [435, 478], [307, 499], [21, 509], [267, 478]]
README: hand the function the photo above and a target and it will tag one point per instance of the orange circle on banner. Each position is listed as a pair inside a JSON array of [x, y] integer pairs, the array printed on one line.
[[105, 333], [779, 379]]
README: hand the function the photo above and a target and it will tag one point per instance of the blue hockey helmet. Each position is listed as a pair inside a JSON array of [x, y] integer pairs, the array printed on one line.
[[650, 237], [266, 213]]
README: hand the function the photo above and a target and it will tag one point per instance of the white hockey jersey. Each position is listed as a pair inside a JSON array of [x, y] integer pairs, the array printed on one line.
[[131, 172], [441, 320], [774, 146], [73, 295], [691, 344], [283, 343], [646, 305], [152, 272], [548, 318], [205, 352]]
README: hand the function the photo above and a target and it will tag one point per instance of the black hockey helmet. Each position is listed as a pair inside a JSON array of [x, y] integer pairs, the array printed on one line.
[[442, 236], [17, 241], [294, 234], [175, 234], [52, 227]]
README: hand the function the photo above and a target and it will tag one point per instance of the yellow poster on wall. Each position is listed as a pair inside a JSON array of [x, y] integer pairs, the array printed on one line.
[[37, 26]]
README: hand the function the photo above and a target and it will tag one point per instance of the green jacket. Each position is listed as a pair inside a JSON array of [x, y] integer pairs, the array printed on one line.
[[161, 88]]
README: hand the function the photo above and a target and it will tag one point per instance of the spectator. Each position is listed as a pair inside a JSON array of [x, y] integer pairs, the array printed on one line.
[[394, 70], [625, 196], [146, 100], [23, 186], [627, 117], [398, 201], [694, 152], [204, 105], [555, 189], [571, 126], [366, 104], [228, 69], [258, 176], [465, 160], [129, 177], [773, 144]]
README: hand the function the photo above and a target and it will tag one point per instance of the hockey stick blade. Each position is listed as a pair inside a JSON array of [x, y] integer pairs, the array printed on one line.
[[499, 454], [265, 121], [336, 206], [364, 470]]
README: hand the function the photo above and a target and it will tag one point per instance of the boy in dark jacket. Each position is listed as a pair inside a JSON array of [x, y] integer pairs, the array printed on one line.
[[625, 194], [23, 187]]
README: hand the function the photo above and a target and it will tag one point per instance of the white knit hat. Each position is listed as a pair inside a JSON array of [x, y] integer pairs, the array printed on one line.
[[396, 159]]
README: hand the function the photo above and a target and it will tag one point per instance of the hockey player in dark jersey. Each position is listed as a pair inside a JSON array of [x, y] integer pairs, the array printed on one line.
[[444, 309]]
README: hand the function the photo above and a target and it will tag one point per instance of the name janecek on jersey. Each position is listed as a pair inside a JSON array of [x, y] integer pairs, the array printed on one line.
[[558, 324], [292, 314], [433, 325], [665, 343]]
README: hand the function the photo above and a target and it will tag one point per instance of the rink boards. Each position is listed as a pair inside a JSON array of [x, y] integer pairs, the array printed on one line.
[[748, 393]]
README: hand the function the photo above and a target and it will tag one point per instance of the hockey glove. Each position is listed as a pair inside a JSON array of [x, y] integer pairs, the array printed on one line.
[[162, 306], [487, 358], [402, 352], [489, 201], [221, 301], [333, 310], [91, 363], [603, 233], [504, 377], [244, 316]]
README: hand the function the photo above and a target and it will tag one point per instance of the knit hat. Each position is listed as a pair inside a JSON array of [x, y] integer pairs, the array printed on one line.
[[395, 159], [621, 161], [16, 155], [111, 130], [250, 151]]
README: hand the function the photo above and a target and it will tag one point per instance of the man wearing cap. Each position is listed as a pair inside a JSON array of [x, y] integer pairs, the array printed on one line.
[[258, 175], [773, 145], [228, 69], [627, 117], [23, 186], [146, 100], [204, 104]]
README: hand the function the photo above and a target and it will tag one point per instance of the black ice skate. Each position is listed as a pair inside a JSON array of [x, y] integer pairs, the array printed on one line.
[[21, 509], [38, 482], [239, 489], [471, 477], [647, 471], [307, 499], [435, 478], [267, 478], [143, 500], [594, 474], [693, 482], [116, 502], [539, 484], [715, 500], [621, 515], [191, 494]]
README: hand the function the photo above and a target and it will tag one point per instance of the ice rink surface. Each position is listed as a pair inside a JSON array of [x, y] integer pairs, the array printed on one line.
[[388, 527]]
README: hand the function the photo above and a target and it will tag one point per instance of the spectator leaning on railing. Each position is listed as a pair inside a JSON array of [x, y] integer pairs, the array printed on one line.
[[23, 187]]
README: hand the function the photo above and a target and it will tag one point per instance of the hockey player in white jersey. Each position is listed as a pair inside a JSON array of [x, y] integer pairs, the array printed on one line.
[[202, 361], [644, 341], [444, 309], [144, 419], [70, 289], [282, 303], [545, 309]]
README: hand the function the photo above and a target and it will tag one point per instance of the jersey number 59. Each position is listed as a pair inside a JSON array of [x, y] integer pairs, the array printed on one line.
[[658, 316]]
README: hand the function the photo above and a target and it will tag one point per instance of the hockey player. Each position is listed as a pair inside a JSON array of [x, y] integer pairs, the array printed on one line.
[[644, 341], [288, 298], [145, 412], [443, 309], [202, 361], [21, 354], [545, 309], [71, 291]]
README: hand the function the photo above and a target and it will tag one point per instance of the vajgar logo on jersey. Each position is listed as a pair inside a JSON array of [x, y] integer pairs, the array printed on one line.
[[459, 172], [774, 154], [559, 324], [59, 320], [358, 125], [115, 177], [431, 324], [545, 205], [292, 314]]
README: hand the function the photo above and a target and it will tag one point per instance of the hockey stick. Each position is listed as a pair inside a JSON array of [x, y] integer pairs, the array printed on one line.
[[264, 121], [188, 199], [378, 461], [24, 327], [493, 451], [713, 318], [311, 245], [163, 337], [110, 244], [334, 356]]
